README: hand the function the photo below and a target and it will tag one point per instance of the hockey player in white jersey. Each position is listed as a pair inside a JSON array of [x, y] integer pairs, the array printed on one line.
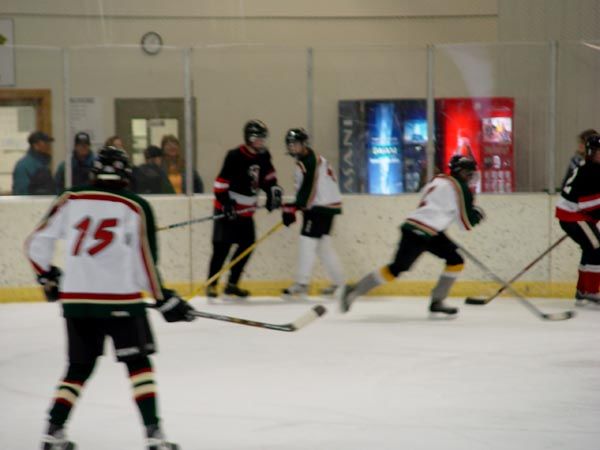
[[110, 258], [318, 197], [446, 199]]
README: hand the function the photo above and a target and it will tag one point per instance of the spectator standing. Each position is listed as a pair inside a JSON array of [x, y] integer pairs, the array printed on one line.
[[174, 166], [115, 141], [82, 161], [32, 175], [150, 178]]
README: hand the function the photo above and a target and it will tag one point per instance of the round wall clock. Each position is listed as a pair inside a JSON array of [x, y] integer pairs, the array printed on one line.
[[151, 43]]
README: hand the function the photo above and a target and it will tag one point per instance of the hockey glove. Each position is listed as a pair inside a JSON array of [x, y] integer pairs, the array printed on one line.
[[174, 308], [229, 210], [288, 215], [274, 197], [50, 281], [478, 215]]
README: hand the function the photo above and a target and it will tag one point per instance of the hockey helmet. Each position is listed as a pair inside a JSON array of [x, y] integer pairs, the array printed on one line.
[[592, 144], [460, 162], [111, 164], [296, 135], [255, 129]]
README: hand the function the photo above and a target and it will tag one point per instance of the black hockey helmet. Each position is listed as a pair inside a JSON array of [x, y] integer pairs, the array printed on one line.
[[296, 135], [592, 143], [111, 164], [255, 129], [460, 162]]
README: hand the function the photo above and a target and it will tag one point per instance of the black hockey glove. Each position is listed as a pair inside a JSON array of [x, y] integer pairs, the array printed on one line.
[[50, 281], [478, 215], [229, 210], [174, 308], [288, 214], [274, 197]]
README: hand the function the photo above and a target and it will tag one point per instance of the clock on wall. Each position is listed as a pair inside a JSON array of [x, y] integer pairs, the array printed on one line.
[[152, 43]]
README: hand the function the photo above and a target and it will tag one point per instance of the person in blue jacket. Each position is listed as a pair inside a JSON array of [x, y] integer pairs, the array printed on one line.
[[31, 174]]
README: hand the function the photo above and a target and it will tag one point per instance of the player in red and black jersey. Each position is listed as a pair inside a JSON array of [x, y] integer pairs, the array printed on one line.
[[246, 170], [578, 211]]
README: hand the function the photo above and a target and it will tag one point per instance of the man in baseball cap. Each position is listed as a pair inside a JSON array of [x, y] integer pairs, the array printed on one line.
[[39, 136], [82, 161], [31, 175]]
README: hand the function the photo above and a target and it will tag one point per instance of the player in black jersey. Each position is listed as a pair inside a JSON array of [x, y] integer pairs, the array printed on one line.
[[578, 211], [246, 170]]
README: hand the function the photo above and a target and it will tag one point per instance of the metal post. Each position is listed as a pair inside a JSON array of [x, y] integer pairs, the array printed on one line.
[[66, 80], [552, 117], [309, 92], [187, 118], [430, 152]]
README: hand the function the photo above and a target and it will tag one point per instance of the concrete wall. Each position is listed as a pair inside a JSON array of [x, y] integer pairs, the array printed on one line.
[[518, 228]]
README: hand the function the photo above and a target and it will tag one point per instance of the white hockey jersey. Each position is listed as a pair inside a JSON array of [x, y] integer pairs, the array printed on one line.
[[316, 185], [109, 251], [445, 200]]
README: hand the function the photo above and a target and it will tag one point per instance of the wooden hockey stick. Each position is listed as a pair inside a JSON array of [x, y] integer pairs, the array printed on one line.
[[485, 301], [306, 318], [203, 219], [238, 258], [530, 306]]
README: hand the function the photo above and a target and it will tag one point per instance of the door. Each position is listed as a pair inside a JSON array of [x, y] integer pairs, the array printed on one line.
[[21, 112], [141, 122]]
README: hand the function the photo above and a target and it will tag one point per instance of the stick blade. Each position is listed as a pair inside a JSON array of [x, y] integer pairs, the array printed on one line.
[[475, 301], [566, 315], [307, 318]]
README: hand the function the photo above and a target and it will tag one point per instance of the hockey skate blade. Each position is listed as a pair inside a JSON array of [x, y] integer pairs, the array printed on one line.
[[442, 316], [475, 301]]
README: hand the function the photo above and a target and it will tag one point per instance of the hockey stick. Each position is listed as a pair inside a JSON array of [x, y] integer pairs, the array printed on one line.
[[530, 306], [485, 301], [306, 318], [238, 258], [204, 219]]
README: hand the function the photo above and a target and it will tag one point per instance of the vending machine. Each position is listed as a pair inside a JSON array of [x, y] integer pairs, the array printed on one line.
[[481, 128], [382, 145]]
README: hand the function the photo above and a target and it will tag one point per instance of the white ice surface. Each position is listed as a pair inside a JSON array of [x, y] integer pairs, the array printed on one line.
[[380, 377]]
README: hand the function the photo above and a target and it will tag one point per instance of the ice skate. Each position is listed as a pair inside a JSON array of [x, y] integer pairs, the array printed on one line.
[[211, 291], [57, 440], [232, 291], [438, 309], [347, 298], [329, 291], [296, 291], [157, 441], [586, 300]]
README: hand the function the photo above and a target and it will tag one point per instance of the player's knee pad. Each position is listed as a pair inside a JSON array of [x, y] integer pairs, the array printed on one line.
[[392, 271], [455, 260], [453, 269]]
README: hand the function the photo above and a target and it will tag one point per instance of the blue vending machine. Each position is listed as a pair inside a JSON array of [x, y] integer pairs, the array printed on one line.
[[384, 159], [382, 145]]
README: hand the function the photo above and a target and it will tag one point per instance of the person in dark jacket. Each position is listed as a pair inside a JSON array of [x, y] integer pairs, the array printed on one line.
[[31, 175], [82, 161], [150, 178]]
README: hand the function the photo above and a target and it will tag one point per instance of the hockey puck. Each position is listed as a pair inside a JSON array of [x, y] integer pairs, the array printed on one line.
[[320, 310], [475, 301]]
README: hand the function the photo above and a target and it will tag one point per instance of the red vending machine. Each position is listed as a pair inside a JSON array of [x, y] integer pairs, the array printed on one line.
[[481, 128]]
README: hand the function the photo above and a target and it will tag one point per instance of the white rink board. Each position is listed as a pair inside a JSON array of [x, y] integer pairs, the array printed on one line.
[[381, 377]]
